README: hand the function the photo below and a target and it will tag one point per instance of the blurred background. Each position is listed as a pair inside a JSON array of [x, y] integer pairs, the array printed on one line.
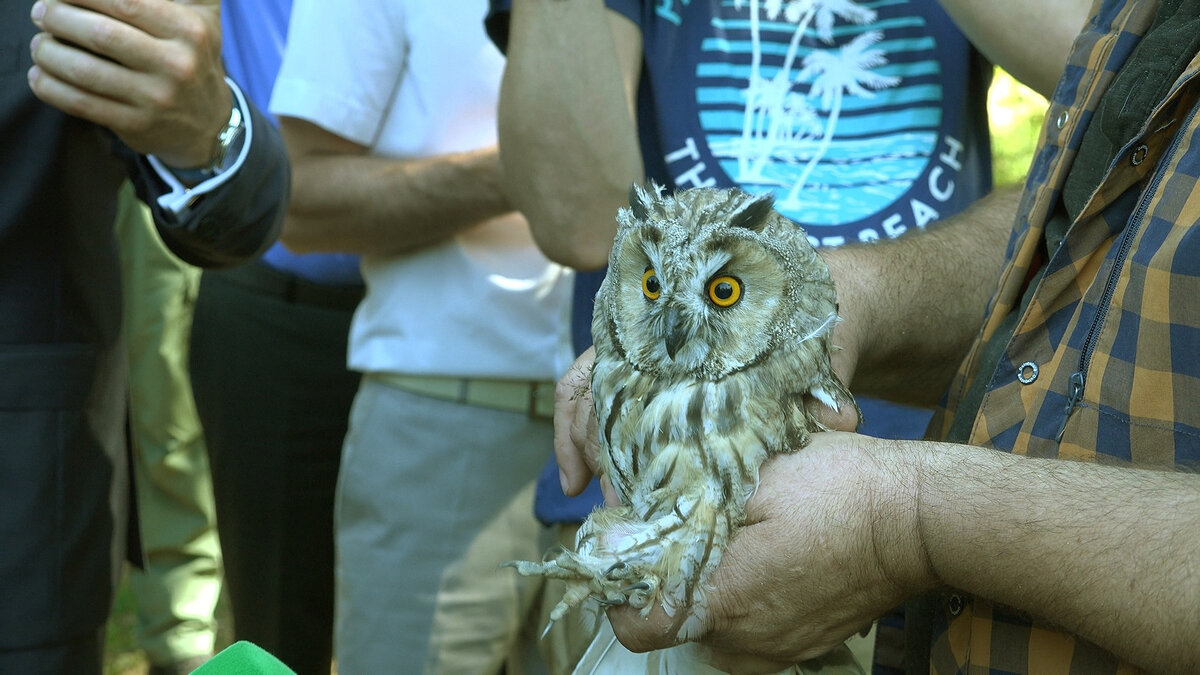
[[1015, 114]]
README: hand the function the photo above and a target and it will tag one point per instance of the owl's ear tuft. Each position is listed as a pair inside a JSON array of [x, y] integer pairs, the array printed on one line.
[[753, 214], [640, 199]]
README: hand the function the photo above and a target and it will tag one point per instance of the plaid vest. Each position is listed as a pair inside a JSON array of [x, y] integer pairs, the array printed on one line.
[[1104, 364]]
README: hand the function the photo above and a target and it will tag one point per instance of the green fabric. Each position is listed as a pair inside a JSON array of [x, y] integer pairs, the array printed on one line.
[[176, 591], [244, 658], [1149, 72]]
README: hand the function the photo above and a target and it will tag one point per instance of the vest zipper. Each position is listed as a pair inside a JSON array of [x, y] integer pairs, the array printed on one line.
[[1074, 396], [1079, 377]]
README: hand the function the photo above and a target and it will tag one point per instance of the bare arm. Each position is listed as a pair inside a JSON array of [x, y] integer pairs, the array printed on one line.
[[567, 133], [1106, 553], [1115, 549], [912, 306], [346, 200], [1003, 31]]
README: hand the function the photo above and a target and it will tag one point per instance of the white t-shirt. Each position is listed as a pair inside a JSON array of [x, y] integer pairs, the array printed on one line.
[[409, 79]]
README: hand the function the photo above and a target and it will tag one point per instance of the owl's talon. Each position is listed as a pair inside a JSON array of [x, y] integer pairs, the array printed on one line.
[[641, 586], [619, 565]]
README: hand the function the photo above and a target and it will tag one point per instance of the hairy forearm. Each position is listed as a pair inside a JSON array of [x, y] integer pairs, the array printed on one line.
[[567, 136], [381, 206], [1106, 553], [912, 306], [1001, 30]]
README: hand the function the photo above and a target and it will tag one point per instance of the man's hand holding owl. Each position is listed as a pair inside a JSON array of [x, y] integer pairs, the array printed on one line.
[[851, 526], [576, 444], [792, 588]]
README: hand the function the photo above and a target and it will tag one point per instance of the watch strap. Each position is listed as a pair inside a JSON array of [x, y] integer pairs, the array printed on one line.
[[225, 150]]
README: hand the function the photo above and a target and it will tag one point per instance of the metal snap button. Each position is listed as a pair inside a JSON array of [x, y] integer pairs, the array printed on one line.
[[955, 604], [1063, 118], [1027, 372], [1139, 154]]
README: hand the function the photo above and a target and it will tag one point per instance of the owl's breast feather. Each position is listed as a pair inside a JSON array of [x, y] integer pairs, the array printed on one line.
[[687, 440]]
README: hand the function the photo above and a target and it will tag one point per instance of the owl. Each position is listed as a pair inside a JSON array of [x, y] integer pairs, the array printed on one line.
[[711, 328]]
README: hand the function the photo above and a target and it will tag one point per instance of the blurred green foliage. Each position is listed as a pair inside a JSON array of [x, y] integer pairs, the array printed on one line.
[[1015, 113], [121, 654]]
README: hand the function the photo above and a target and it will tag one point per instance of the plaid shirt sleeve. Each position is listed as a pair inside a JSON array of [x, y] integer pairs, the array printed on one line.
[[1102, 366]]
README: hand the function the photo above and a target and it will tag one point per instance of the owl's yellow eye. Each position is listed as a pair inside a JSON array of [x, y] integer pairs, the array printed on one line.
[[724, 291], [650, 286]]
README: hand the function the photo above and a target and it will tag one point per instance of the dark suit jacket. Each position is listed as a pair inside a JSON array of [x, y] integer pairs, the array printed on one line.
[[62, 386]]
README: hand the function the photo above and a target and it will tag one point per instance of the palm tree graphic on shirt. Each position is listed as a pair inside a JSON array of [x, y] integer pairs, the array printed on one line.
[[773, 99], [835, 74], [795, 98]]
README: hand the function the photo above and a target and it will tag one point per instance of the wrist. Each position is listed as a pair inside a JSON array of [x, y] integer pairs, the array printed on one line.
[[220, 151], [898, 532]]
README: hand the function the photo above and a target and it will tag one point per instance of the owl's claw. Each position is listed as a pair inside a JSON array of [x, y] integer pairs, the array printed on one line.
[[638, 595], [549, 568], [625, 595], [609, 585]]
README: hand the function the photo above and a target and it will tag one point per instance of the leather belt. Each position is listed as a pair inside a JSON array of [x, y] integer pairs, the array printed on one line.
[[534, 399]]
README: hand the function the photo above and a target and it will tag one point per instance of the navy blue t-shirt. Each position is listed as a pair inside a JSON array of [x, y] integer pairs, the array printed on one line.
[[864, 120]]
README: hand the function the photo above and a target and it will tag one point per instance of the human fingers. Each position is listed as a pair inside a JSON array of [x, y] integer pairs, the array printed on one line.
[[572, 410], [78, 102], [645, 633], [784, 587], [843, 355], [611, 498], [101, 35], [792, 588], [641, 633], [845, 418], [163, 91], [164, 19], [82, 70]]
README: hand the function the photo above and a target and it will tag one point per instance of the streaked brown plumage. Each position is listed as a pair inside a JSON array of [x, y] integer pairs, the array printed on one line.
[[711, 327]]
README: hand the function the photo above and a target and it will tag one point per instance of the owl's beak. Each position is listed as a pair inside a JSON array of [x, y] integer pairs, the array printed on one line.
[[677, 333]]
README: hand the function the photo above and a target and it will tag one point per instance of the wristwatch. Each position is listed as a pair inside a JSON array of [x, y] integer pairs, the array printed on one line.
[[225, 150]]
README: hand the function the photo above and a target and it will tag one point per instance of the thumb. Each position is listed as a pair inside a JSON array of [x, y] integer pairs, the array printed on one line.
[[844, 418]]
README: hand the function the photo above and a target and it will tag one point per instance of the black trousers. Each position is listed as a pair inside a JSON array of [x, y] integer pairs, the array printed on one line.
[[63, 503], [268, 368]]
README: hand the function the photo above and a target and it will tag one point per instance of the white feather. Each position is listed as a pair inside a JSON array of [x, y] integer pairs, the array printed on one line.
[[823, 396]]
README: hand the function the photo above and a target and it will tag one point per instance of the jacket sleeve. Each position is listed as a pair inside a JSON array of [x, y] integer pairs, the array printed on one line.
[[232, 221]]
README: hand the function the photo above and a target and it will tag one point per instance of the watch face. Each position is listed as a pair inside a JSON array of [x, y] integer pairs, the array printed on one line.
[[228, 141]]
